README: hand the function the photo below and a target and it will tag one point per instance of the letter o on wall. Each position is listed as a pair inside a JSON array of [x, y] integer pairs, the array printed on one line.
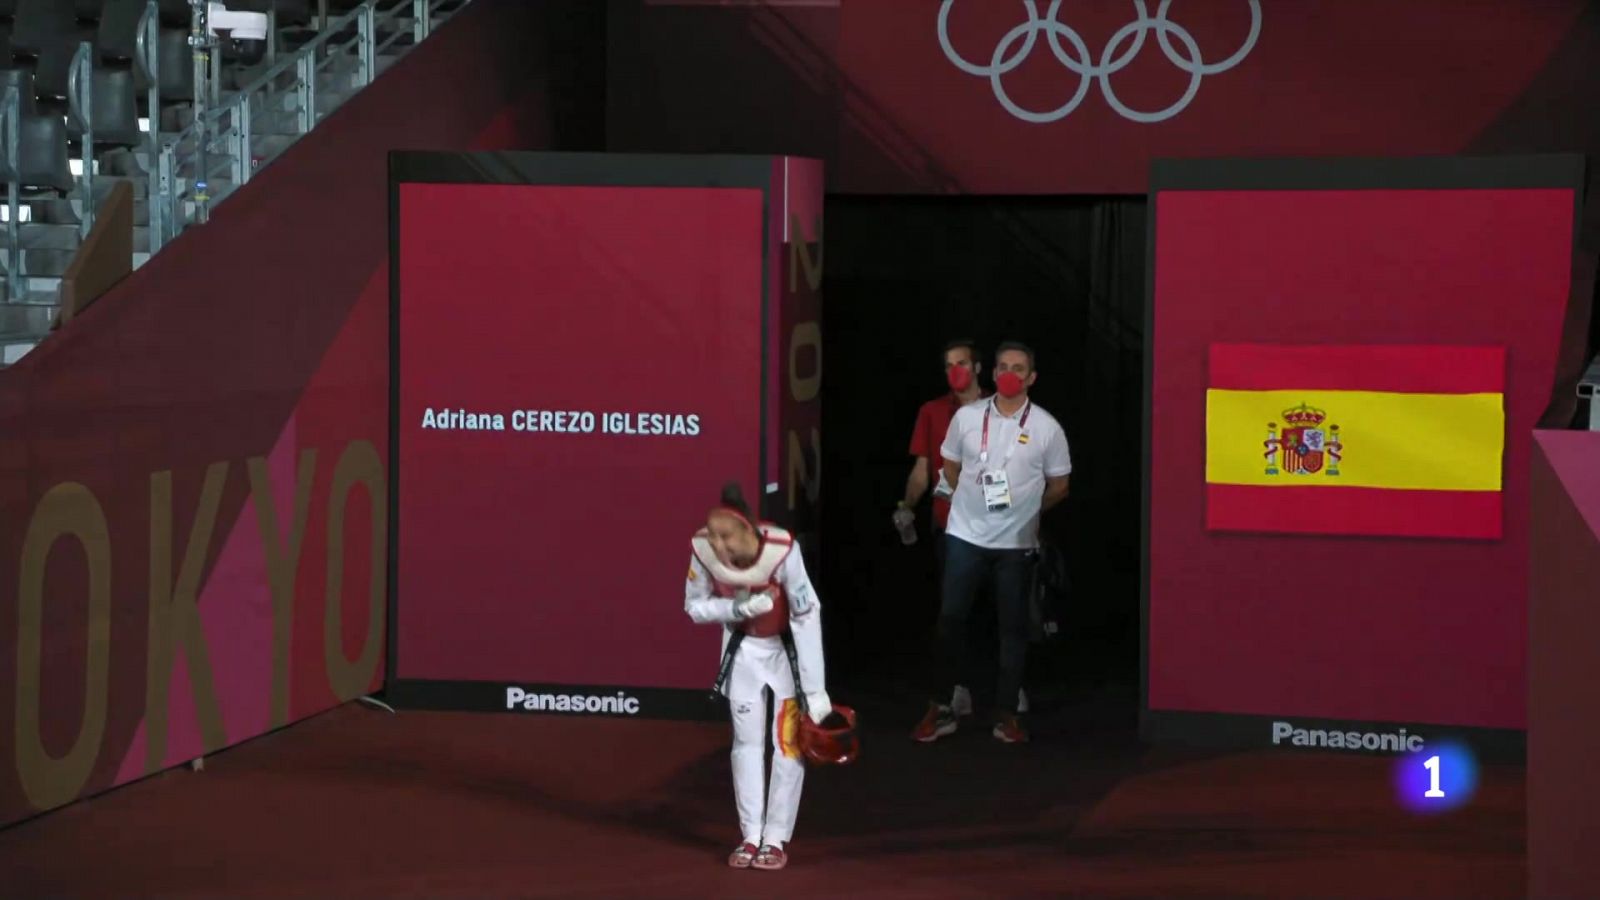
[[67, 509], [1372, 742], [359, 464], [805, 388]]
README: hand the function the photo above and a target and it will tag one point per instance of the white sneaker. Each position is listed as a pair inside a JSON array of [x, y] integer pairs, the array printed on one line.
[[961, 702]]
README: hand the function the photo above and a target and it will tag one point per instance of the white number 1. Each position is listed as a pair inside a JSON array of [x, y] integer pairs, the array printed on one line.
[[1432, 765]]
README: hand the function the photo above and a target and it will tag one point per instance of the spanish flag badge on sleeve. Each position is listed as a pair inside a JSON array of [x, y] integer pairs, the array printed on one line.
[[1358, 440]]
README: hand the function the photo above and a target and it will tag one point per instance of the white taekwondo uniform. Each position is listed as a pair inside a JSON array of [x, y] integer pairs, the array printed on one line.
[[760, 661]]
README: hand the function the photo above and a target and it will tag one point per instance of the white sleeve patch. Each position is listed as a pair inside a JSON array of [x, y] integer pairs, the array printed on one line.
[[800, 599], [802, 596]]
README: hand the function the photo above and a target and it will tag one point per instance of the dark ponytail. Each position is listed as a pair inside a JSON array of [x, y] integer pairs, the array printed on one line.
[[733, 498]]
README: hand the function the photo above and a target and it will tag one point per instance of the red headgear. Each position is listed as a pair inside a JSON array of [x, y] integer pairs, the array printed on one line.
[[834, 742]]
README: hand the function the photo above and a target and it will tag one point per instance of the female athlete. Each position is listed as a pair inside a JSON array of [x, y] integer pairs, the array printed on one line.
[[749, 578]]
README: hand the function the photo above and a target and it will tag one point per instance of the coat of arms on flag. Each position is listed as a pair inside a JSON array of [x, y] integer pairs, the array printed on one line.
[[1305, 445]]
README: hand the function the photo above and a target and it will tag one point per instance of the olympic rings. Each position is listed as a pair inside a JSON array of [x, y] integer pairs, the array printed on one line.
[[1081, 63]]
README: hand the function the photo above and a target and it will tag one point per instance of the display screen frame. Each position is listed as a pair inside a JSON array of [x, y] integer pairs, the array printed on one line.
[[578, 170]]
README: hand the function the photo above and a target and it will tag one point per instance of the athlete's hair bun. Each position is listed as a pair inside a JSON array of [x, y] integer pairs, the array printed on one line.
[[733, 498]]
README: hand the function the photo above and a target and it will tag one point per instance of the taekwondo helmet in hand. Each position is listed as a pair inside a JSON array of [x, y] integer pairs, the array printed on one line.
[[833, 742]]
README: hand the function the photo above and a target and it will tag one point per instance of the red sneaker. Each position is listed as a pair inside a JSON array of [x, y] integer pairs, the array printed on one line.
[[743, 856], [939, 722], [1007, 729], [771, 858]]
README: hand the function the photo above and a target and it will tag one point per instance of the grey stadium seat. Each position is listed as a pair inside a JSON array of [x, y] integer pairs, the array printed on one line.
[[41, 139], [114, 110], [117, 43], [39, 24], [23, 80], [55, 62], [42, 148]]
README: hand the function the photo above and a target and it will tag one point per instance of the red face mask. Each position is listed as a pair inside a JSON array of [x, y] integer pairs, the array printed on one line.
[[1009, 384], [960, 377]]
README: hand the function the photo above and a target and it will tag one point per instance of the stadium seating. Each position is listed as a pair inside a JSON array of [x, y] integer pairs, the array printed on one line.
[[106, 93]]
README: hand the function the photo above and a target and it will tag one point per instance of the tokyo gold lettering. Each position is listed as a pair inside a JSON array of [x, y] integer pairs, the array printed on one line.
[[358, 465], [800, 254], [798, 473], [804, 388], [174, 615], [282, 564], [805, 384], [67, 510]]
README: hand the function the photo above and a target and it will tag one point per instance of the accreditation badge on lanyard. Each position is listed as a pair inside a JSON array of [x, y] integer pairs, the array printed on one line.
[[996, 486]]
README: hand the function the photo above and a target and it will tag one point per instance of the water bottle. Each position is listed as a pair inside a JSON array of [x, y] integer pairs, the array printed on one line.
[[906, 524]]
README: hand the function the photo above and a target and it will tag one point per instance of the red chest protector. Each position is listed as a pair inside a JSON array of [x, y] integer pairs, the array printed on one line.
[[762, 575]]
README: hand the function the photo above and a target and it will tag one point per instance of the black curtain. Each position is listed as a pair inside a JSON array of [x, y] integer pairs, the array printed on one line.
[[903, 276]]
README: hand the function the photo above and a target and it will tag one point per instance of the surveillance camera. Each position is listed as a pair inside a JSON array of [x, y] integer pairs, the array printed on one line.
[[240, 26]]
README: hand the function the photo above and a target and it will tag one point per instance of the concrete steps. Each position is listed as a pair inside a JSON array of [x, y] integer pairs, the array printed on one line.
[[54, 263], [64, 237], [29, 316], [15, 347]]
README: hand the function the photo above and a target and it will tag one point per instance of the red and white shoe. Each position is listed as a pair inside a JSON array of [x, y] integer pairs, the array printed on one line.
[[1008, 730], [939, 721], [743, 856], [771, 857]]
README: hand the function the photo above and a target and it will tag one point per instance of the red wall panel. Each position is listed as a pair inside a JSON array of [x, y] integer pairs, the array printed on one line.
[[1345, 628], [1563, 618], [222, 413]]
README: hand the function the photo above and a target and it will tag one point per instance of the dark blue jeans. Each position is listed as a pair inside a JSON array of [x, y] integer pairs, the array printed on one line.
[[967, 567]]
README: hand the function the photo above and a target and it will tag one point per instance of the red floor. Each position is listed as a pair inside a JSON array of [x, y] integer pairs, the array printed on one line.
[[360, 803]]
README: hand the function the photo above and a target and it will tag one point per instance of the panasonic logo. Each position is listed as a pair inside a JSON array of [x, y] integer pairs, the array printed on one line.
[[620, 705], [1392, 742]]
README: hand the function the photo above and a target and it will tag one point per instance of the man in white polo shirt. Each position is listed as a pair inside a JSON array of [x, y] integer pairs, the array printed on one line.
[[1009, 461]]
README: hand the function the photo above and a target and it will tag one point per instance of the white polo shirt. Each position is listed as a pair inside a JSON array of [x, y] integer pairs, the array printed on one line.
[[1038, 449]]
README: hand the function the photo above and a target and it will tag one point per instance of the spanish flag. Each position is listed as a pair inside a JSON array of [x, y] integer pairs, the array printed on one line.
[[1363, 440]]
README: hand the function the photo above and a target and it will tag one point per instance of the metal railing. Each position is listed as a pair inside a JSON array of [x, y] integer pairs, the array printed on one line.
[[223, 138], [10, 138], [80, 106], [80, 97], [146, 55]]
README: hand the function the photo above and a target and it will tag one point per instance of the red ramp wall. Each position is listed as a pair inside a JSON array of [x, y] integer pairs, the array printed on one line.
[[1563, 619], [192, 483]]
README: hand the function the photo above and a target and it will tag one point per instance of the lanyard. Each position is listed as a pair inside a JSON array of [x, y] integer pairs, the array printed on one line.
[[983, 450]]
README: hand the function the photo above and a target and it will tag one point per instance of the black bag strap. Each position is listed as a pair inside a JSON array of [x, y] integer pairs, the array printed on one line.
[[794, 668], [727, 662], [789, 650]]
